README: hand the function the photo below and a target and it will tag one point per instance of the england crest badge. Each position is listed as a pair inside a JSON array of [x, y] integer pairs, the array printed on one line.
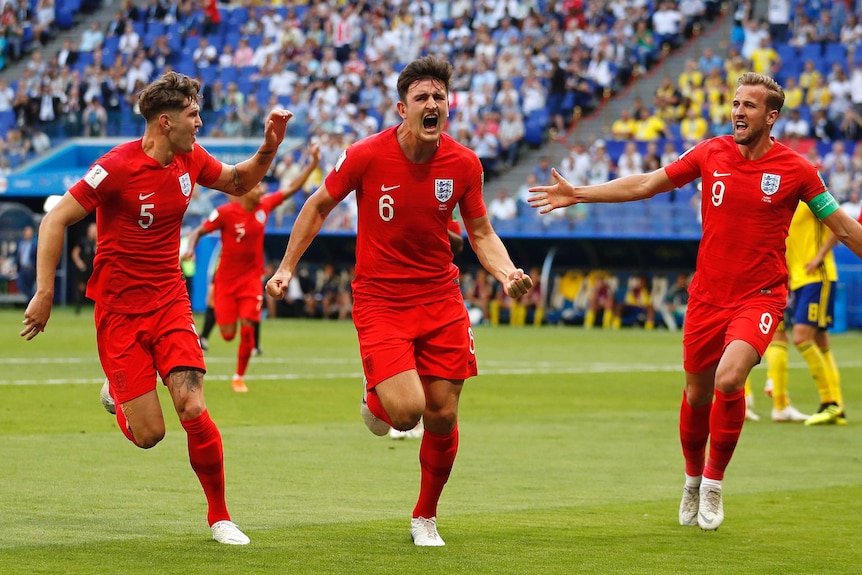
[[443, 189], [769, 183], [186, 185]]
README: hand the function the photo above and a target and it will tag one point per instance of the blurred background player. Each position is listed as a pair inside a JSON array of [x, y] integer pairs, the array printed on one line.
[[813, 276], [776, 385], [237, 282], [82, 256]]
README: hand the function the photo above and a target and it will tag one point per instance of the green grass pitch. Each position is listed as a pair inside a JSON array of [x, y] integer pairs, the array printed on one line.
[[569, 463]]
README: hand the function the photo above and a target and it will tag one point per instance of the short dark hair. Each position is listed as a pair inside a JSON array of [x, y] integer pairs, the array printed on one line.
[[428, 67], [172, 92]]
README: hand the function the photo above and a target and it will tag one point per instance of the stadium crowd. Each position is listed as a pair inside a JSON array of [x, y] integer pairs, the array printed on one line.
[[520, 67], [522, 70]]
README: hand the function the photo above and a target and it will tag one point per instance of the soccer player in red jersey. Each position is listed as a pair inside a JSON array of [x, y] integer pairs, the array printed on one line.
[[237, 283], [414, 333], [144, 324], [752, 185]]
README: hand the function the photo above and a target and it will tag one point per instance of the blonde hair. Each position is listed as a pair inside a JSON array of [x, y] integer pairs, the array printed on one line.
[[774, 91]]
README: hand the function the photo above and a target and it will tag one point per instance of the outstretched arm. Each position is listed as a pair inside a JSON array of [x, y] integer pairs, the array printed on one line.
[[239, 179], [192, 242], [49, 249], [299, 181], [625, 189], [846, 229]]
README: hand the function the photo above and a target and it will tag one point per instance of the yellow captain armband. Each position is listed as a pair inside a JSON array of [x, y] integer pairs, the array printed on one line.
[[822, 205]]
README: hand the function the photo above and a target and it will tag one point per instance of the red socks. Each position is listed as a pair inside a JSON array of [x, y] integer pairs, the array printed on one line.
[[436, 457], [725, 424], [207, 459], [721, 423], [693, 434], [246, 346]]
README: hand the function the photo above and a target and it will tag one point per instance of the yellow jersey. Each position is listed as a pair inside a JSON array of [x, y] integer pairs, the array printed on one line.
[[806, 236]]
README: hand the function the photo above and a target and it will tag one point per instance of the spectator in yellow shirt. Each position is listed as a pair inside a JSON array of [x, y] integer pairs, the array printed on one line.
[[651, 127], [693, 127], [794, 95], [764, 58], [809, 75], [691, 79], [625, 127]]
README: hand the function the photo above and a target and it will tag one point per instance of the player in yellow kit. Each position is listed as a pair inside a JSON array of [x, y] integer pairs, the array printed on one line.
[[813, 275]]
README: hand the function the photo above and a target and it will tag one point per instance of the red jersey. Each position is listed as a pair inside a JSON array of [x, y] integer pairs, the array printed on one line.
[[241, 261], [139, 208], [402, 244], [747, 206]]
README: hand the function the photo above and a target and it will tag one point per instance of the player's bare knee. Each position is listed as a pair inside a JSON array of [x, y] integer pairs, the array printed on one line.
[[148, 438], [729, 381], [191, 408], [440, 420], [405, 420]]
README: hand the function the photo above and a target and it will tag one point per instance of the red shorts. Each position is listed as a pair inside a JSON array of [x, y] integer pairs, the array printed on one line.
[[232, 301], [134, 348], [435, 339], [708, 329]]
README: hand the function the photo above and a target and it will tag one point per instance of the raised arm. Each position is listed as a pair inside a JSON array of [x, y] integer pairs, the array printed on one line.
[[310, 166], [52, 232], [626, 189], [305, 229], [192, 242], [495, 258], [238, 179]]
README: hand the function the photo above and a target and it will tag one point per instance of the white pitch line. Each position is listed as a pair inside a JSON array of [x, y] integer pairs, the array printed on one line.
[[504, 368]]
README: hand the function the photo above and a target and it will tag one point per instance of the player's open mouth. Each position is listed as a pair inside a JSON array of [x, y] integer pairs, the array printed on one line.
[[430, 122]]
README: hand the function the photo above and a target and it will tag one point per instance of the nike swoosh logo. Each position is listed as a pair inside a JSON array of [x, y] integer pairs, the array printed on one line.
[[705, 519], [388, 188], [716, 174], [143, 197]]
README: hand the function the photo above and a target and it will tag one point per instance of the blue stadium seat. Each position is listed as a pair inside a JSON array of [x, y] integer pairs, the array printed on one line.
[[786, 52], [254, 40], [72, 6], [208, 75], [64, 19], [507, 228], [229, 74], [232, 37], [7, 120], [811, 52], [237, 16], [84, 60]]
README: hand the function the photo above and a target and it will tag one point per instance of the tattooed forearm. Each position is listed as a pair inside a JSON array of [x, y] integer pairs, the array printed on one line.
[[237, 182]]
